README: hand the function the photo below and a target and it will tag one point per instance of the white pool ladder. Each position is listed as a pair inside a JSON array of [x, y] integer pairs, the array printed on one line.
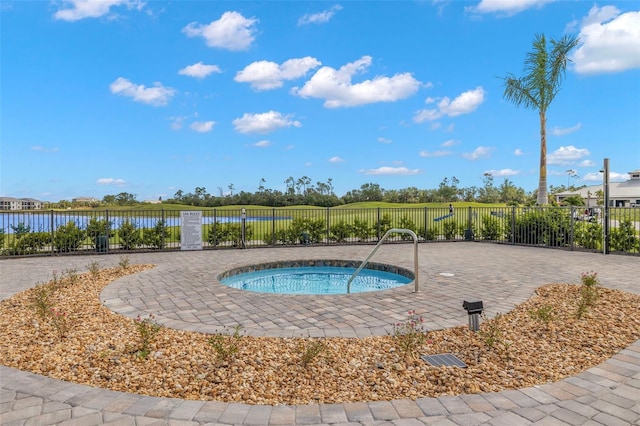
[[384, 237]]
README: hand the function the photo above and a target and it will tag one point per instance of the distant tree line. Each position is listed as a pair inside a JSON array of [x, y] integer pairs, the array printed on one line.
[[303, 191]]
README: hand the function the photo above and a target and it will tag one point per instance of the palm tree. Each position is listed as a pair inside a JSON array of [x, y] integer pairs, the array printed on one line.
[[544, 71]]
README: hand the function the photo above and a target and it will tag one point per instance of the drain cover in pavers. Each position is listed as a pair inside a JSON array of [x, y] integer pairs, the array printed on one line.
[[444, 360]]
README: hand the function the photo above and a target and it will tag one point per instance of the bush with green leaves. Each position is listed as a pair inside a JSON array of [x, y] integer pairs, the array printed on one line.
[[314, 229], [588, 235], [20, 229], [623, 238], [450, 229], [491, 228], [430, 234], [228, 232], [129, 235], [551, 227], [361, 229], [30, 243], [384, 224], [158, 236], [340, 231], [68, 237], [98, 227], [406, 223]]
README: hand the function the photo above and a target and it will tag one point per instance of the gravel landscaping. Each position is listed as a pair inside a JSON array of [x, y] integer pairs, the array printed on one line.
[[61, 329]]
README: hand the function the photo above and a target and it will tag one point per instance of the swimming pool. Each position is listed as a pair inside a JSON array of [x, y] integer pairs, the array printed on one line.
[[325, 278]]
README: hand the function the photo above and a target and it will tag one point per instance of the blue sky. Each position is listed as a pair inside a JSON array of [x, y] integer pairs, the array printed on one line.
[[103, 97]]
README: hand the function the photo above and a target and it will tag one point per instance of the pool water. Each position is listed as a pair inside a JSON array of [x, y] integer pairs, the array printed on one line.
[[314, 280]]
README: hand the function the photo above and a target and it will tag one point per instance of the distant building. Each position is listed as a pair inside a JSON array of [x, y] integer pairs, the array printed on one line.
[[11, 203], [85, 200], [621, 194]]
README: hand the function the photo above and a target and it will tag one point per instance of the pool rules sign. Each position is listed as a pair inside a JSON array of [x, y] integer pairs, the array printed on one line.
[[191, 230]]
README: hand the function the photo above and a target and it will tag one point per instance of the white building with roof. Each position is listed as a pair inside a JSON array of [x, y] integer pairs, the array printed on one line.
[[621, 194]]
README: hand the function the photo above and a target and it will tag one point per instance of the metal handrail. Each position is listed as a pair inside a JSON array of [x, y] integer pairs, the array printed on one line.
[[416, 288]]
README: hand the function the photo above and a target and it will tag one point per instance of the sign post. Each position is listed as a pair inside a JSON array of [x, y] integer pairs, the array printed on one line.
[[191, 230]]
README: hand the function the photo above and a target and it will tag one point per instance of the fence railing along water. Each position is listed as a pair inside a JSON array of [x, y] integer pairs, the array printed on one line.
[[82, 232]]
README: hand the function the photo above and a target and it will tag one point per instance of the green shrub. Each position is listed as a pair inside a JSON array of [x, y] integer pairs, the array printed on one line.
[[20, 229], [551, 227], [623, 238], [406, 223], [68, 237], [450, 229], [588, 235], [30, 243], [129, 236], [361, 229], [228, 232], [384, 224], [98, 227], [340, 232], [157, 236], [491, 228]]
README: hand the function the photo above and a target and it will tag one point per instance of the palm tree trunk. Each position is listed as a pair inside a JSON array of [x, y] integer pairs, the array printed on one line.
[[543, 199]]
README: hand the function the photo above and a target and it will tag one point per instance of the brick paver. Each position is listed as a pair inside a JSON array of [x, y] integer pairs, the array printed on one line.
[[183, 292]]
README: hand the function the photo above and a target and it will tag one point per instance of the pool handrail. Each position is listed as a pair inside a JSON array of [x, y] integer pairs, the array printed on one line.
[[416, 288]]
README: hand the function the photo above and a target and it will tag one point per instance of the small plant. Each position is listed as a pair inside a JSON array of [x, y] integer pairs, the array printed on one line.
[[491, 334], [147, 329], [124, 263], [543, 314], [94, 268], [588, 292], [60, 323], [410, 335], [226, 346], [309, 349], [70, 276], [42, 300]]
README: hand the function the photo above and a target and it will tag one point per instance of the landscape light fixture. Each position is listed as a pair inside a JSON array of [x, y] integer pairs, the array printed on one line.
[[474, 309]]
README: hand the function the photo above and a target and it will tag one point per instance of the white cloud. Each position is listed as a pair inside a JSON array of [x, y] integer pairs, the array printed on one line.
[[559, 131], [336, 160], [176, 122], [435, 153], [336, 87], [41, 148], [586, 163], [79, 9], [157, 95], [199, 70], [518, 152], [263, 123], [465, 103], [319, 18], [384, 140], [450, 142], [386, 170], [262, 144], [506, 7], [479, 152], [232, 31], [566, 155], [266, 75], [613, 177], [610, 41], [502, 172], [203, 126], [111, 181]]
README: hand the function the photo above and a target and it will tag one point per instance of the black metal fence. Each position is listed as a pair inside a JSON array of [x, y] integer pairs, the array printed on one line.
[[82, 232]]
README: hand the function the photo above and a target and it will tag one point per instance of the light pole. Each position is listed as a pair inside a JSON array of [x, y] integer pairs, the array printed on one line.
[[605, 216]]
